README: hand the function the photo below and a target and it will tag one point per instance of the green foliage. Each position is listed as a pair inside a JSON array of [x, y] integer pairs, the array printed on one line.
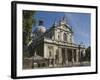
[[28, 21], [88, 54]]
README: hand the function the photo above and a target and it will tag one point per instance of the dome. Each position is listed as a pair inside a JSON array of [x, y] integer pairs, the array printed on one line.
[[39, 29], [42, 29]]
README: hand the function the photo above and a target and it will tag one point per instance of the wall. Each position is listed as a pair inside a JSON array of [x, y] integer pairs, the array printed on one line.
[[5, 40]]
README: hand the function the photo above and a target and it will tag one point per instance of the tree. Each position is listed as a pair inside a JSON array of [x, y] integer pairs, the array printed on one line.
[[88, 54], [28, 21]]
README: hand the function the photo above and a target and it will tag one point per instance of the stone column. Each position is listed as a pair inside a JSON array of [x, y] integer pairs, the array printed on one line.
[[73, 56], [66, 57], [84, 53], [77, 55], [54, 56], [60, 56]]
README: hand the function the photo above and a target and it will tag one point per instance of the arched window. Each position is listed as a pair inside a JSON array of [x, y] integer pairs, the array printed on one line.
[[70, 38], [50, 54], [65, 37], [58, 35]]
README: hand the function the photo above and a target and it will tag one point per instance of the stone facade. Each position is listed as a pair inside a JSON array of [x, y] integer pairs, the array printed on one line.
[[57, 46]]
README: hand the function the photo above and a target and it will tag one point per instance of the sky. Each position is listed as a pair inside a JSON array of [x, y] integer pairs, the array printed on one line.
[[80, 23]]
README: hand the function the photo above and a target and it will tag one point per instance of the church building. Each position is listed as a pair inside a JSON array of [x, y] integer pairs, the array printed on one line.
[[55, 47]]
